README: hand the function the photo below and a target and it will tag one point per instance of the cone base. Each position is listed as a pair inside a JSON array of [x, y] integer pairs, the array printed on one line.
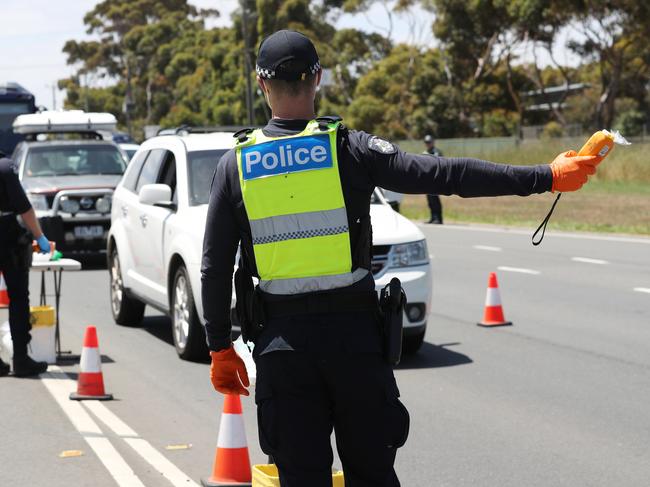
[[490, 325], [214, 483], [82, 397]]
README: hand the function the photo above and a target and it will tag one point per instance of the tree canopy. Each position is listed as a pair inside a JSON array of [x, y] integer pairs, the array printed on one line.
[[156, 62]]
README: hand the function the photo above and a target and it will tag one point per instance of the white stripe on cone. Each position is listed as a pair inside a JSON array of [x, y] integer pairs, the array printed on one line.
[[493, 298], [90, 360], [231, 431]]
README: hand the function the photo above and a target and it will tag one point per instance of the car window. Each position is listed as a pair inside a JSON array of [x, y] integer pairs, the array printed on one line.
[[200, 169], [168, 173], [129, 153], [132, 173], [73, 160], [17, 156], [151, 168]]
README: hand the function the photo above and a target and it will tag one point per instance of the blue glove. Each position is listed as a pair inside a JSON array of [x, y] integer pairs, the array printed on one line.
[[43, 244]]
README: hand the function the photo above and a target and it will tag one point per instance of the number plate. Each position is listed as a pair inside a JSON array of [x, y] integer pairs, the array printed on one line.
[[90, 231]]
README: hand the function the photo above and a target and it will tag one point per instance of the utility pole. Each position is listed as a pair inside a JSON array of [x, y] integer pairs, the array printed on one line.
[[247, 63], [85, 92], [128, 98], [53, 86]]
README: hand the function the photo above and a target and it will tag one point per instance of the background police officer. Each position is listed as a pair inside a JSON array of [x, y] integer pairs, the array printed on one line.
[[15, 260], [435, 206], [319, 355]]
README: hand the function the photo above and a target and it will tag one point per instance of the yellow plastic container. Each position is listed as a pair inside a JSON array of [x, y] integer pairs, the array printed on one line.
[[267, 476], [42, 346], [41, 315]]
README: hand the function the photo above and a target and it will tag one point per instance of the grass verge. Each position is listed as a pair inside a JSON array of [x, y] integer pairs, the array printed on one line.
[[613, 207], [616, 199]]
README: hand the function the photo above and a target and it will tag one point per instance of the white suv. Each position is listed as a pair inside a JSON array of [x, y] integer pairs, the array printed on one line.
[[156, 236]]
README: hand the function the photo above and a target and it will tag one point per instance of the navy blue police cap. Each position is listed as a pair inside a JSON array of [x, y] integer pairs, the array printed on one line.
[[283, 46]]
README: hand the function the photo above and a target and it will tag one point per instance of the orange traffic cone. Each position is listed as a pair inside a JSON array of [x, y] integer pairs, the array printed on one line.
[[232, 466], [90, 384], [4, 295], [493, 315]]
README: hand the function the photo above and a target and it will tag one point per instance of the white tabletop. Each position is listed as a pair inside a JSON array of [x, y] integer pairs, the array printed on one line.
[[56, 265]]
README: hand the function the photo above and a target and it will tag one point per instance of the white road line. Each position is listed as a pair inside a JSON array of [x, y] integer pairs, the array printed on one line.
[[113, 461], [521, 270], [59, 386], [141, 446], [642, 289], [168, 470], [587, 260], [519, 231], [489, 248], [106, 416]]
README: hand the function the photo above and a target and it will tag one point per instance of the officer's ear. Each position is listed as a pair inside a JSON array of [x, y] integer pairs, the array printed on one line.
[[265, 90], [262, 85]]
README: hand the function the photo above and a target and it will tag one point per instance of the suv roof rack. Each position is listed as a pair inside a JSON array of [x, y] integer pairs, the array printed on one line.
[[66, 121], [83, 134], [187, 129]]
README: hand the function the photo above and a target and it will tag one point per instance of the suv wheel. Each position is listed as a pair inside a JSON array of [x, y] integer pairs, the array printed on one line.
[[126, 310], [189, 337]]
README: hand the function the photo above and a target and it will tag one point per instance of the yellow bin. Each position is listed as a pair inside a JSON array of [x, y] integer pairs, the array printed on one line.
[[267, 476], [42, 346]]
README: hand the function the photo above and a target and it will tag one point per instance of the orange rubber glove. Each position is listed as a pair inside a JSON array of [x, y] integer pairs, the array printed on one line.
[[228, 372], [571, 171]]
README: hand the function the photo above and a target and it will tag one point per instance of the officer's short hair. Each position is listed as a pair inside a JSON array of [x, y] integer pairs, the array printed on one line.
[[294, 87]]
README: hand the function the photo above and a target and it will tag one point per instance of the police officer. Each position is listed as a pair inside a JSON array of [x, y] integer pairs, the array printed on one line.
[[15, 260], [433, 199], [296, 195]]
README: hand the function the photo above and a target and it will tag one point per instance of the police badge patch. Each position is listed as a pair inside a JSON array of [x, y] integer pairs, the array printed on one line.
[[382, 146]]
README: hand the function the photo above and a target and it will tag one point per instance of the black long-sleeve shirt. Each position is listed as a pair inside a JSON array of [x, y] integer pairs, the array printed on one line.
[[365, 161], [12, 200], [12, 194]]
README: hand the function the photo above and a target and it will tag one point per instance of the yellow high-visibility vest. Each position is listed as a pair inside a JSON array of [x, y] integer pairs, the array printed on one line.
[[294, 201]]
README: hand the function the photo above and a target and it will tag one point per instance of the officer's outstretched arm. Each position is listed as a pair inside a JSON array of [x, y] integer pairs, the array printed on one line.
[[396, 170]]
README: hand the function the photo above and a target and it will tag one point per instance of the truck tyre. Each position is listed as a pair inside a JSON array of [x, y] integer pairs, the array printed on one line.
[[127, 311], [188, 333]]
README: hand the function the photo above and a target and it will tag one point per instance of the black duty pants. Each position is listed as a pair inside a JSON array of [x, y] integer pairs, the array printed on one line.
[[323, 372], [17, 280], [436, 207]]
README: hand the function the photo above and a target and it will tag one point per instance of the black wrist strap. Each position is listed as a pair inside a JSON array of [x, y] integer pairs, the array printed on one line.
[[542, 225]]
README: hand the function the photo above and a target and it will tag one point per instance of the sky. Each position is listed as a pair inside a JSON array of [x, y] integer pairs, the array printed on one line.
[[34, 31]]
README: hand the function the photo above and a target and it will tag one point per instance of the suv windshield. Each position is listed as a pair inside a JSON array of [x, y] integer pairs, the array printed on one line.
[[200, 169], [73, 160]]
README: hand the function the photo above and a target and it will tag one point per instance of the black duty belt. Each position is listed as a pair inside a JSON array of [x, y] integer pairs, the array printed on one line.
[[341, 302]]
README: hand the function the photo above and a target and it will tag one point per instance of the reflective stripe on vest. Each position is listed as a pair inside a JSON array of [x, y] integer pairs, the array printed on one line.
[[294, 201]]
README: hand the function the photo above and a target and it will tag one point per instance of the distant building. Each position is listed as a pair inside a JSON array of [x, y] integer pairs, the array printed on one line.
[[540, 104]]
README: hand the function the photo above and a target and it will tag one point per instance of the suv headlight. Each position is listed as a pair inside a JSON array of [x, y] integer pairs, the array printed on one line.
[[409, 254], [68, 205], [38, 201], [103, 204]]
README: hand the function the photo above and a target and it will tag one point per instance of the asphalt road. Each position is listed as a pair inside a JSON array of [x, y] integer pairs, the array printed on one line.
[[562, 398]]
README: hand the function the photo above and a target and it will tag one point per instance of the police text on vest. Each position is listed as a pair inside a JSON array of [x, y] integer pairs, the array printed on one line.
[[286, 155]]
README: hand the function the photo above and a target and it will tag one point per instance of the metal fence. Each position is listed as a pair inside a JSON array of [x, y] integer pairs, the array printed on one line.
[[492, 145]]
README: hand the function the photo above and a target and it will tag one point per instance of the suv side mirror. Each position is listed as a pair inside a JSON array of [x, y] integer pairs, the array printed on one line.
[[156, 195]]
